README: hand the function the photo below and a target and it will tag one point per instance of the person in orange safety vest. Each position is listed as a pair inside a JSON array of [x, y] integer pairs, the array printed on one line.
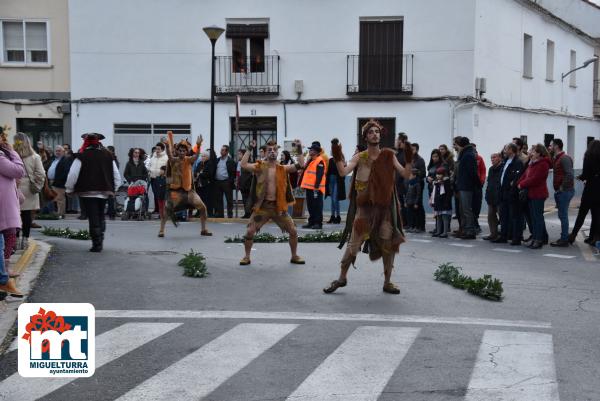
[[313, 181]]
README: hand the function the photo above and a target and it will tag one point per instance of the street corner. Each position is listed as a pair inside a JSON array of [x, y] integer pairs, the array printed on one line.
[[28, 265]]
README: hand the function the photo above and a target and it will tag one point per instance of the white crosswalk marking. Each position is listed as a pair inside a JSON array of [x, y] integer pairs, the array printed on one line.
[[507, 250], [514, 366], [360, 368], [559, 256], [109, 346], [199, 373], [461, 245]]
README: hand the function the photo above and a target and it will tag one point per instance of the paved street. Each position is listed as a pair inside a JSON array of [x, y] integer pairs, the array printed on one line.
[[267, 332]]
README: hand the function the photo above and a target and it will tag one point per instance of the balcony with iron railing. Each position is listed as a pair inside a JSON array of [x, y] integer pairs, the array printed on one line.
[[379, 75], [256, 75]]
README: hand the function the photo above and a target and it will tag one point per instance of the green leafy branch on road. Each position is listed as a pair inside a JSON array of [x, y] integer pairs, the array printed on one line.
[[319, 236], [66, 233], [194, 265], [47, 216], [484, 287]]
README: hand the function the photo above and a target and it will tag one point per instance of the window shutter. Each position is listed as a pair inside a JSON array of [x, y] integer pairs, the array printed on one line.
[[13, 35], [36, 36], [247, 31]]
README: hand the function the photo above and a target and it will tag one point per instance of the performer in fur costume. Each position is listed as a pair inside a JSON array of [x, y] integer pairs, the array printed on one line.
[[271, 196], [181, 194], [374, 212]]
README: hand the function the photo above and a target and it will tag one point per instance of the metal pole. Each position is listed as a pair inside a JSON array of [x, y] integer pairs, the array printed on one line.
[[212, 98]]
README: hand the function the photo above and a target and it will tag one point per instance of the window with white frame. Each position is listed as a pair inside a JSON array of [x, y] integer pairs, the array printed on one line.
[[527, 56], [573, 64], [24, 42], [549, 60]]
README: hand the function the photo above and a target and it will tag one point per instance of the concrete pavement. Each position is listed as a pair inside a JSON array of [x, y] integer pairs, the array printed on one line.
[[443, 344]]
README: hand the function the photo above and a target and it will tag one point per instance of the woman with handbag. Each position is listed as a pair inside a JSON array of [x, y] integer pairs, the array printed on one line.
[[30, 185], [532, 184], [11, 169]]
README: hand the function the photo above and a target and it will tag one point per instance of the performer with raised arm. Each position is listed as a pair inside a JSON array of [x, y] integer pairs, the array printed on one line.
[[272, 196], [181, 194], [374, 211]]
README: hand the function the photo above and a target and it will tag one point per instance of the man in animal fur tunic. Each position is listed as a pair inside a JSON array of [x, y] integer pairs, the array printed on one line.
[[181, 194], [374, 212], [271, 196]]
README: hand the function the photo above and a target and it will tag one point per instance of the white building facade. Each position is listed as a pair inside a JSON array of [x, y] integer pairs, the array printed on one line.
[[315, 70]]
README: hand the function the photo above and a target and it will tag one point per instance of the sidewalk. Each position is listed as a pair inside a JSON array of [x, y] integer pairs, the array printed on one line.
[[29, 264]]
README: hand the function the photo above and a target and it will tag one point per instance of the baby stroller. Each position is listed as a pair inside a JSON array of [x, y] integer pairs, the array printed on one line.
[[136, 203]]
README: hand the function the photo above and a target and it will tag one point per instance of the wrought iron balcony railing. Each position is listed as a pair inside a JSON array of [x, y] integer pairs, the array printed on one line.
[[256, 75], [377, 75]]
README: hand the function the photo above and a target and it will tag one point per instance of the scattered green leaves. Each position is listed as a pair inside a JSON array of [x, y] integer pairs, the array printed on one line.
[[66, 233], [319, 236], [47, 216], [194, 265], [484, 287]]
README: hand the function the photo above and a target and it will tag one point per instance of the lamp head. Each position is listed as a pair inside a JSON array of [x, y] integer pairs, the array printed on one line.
[[213, 32], [590, 61]]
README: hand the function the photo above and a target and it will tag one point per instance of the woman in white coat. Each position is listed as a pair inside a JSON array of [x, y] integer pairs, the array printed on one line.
[[30, 185]]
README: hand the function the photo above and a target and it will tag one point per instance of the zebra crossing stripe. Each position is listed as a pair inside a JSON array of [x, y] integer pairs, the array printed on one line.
[[514, 366], [109, 346], [360, 368], [202, 371]]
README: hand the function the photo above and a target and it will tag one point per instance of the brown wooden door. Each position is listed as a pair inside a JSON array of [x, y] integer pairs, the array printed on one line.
[[380, 56], [387, 138]]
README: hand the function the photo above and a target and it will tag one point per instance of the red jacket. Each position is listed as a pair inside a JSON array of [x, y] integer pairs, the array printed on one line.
[[534, 178], [481, 171]]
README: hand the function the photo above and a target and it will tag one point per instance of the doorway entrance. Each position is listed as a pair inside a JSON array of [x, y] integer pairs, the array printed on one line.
[[261, 129], [47, 130]]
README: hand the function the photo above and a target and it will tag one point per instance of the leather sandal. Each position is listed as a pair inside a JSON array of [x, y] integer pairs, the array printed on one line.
[[391, 288], [297, 260], [335, 284], [245, 261], [206, 233]]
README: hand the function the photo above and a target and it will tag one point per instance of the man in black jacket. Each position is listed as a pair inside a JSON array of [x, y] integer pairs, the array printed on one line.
[[492, 195], [466, 181], [224, 182], [419, 164], [94, 176], [511, 214], [401, 140], [244, 184]]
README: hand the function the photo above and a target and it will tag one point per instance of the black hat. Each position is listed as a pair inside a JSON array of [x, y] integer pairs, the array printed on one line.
[[316, 146], [93, 135]]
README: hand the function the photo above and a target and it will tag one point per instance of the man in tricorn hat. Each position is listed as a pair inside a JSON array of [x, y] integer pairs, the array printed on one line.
[[313, 181], [374, 212], [94, 176]]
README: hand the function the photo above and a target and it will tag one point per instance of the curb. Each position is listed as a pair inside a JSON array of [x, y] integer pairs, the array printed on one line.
[[29, 265]]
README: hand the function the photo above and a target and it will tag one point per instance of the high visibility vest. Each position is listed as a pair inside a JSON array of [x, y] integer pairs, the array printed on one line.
[[309, 180]]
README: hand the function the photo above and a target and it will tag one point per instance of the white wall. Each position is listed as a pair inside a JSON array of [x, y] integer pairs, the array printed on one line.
[[157, 49], [427, 123], [499, 57]]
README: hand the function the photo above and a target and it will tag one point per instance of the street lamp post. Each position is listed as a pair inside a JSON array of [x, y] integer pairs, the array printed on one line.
[[213, 32], [564, 75]]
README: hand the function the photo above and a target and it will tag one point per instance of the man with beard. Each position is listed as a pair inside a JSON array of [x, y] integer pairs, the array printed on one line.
[[181, 194], [272, 196], [374, 212]]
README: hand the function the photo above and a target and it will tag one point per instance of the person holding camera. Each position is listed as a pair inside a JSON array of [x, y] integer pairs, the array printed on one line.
[[313, 181]]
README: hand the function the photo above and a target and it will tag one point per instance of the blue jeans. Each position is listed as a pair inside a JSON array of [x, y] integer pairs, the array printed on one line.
[[3, 274], [333, 193], [562, 199], [536, 207]]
